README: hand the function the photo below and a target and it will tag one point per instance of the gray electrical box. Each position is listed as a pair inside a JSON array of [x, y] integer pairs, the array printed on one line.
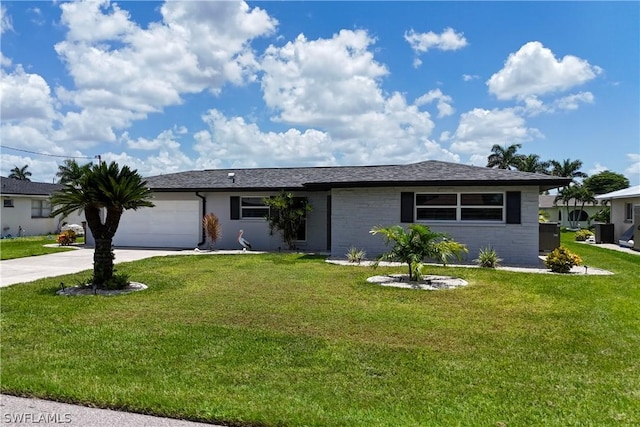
[[636, 227], [549, 236]]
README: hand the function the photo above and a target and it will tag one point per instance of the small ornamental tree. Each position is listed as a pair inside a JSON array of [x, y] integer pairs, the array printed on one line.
[[416, 244], [287, 214], [211, 225]]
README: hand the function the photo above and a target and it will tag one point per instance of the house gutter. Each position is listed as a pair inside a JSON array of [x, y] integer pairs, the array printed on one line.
[[204, 210]]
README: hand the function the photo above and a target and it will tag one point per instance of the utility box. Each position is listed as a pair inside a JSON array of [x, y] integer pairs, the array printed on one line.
[[636, 227], [604, 233], [549, 236]]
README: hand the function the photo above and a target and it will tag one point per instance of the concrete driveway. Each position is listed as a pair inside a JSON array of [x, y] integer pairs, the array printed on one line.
[[22, 270]]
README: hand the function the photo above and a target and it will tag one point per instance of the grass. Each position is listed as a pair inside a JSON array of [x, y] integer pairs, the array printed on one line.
[[21, 247], [282, 339]]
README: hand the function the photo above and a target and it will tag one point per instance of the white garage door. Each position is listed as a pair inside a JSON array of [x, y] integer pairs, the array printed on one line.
[[170, 224]]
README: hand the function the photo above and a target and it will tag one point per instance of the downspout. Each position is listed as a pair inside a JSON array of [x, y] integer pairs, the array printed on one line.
[[204, 210]]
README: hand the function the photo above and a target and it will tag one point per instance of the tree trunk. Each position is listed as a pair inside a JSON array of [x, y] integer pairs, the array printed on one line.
[[103, 235]]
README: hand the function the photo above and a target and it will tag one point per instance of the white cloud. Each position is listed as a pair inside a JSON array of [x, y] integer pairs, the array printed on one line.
[[597, 168], [129, 71], [25, 96], [479, 129], [469, 77], [633, 170], [572, 102], [447, 40], [443, 102], [534, 70], [5, 20]]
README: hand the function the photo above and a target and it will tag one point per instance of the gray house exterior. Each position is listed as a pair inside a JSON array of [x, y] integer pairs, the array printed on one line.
[[477, 206]]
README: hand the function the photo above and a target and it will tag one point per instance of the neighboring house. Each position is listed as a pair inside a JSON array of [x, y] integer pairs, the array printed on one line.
[[477, 206], [557, 211], [622, 204], [26, 208]]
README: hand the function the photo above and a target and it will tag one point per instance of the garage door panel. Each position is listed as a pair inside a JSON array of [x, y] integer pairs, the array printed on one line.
[[170, 224]]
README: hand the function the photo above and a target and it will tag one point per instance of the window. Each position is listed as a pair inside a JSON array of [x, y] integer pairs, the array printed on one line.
[[8, 203], [40, 208], [628, 212], [253, 207], [486, 207]]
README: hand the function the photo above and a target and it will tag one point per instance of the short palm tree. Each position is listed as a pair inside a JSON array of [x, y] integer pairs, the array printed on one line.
[[416, 244], [103, 190], [20, 173], [504, 157]]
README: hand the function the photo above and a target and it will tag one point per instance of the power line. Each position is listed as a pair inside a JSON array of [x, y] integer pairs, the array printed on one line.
[[45, 154]]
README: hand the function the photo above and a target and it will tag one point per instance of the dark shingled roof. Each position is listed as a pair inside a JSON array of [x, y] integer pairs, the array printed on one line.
[[426, 173], [12, 186]]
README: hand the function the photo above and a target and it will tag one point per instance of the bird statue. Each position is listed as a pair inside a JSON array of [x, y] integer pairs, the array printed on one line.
[[243, 242]]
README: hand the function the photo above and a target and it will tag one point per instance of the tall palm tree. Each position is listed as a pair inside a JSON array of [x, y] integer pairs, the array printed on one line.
[[578, 194], [504, 157], [20, 173], [70, 171], [532, 163], [568, 169], [103, 189]]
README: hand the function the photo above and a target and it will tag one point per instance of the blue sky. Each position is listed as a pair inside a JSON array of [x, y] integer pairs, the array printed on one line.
[[167, 87]]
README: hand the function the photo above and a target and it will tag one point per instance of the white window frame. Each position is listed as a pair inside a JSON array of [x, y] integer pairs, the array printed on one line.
[[252, 208], [628, 212], [41, 211], [459, 207]]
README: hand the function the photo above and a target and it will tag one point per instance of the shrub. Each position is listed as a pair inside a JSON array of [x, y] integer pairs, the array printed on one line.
[[582, 235], [355, 255], [488, 258], [212, 227], [66, 238], [561, 259]]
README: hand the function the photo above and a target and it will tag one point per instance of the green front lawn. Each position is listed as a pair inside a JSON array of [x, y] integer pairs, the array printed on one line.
[[282, 339], [21, 247]]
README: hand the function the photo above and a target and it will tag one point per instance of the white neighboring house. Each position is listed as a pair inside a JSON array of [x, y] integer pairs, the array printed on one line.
[[26, 208], [558, 211], [622, 204]]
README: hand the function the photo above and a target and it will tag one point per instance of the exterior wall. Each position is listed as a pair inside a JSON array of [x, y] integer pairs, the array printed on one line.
[[20, 216], [356, 211], [618, 215], [256, 230]]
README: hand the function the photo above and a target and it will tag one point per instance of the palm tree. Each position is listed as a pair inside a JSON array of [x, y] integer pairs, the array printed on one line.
[[504, 157], [107, 190], [418, 243], [567, 169], [532, 163], [576, 193], [70, 171], [20, 173]]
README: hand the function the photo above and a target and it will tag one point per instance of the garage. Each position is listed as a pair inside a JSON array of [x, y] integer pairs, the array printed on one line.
[[170, 224]]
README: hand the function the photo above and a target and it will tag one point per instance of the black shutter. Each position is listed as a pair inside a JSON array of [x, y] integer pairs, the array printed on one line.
[[235, 207], [406, 207], [513, 207]]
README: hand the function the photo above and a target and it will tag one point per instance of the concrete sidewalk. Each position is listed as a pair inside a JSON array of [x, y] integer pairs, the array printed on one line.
[[20, 411], [28, 269]]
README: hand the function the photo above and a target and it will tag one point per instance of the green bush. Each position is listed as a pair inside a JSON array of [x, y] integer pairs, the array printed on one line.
[[561, 259], [66, 238], [355, 255], [488, 258], [582, 235]]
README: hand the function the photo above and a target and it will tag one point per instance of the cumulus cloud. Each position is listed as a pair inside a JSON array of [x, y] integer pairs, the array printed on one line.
[[534, 70], [633, 170], [447, 40], [572, 102], [443, 102], [479, 129], [25, 96], [469, 77], [118, 66], [5, 20]]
